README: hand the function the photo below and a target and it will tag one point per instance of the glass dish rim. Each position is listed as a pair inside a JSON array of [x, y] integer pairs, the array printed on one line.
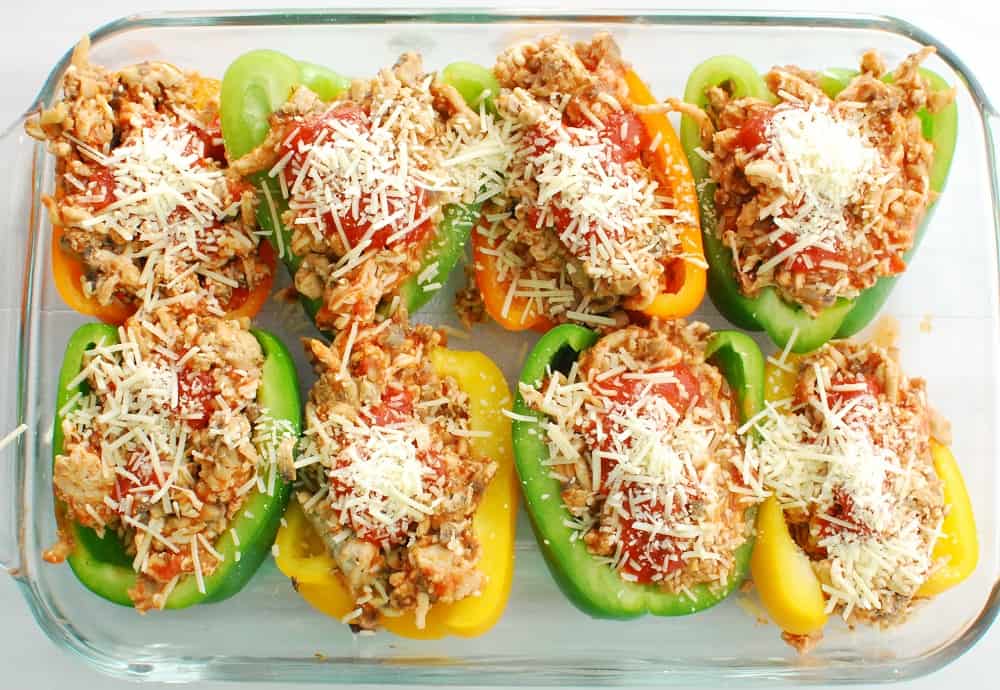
[[490, 672]]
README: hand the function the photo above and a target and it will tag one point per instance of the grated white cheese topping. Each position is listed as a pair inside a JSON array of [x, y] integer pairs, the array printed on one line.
[[826, 162], [135, 412], [884, 546], [167, 202]]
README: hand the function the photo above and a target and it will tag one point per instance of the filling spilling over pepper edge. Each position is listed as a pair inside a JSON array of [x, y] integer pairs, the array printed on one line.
[[365, 183], [145, 208], [164, 442], [596, 211], [820, 196], [849, 449], [388, 476]]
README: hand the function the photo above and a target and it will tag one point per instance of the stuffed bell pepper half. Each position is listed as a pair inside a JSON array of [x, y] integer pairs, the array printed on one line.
[[599, 212], [405, 491], [170, 438], [145, 207], [866, 512], [628, 454], [370, 187], [815, 187]]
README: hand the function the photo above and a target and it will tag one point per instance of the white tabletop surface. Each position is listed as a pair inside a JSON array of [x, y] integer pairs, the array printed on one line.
[[33, 35]]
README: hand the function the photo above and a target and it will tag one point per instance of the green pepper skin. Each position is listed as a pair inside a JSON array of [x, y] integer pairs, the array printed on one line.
[[593, 587], [260, 81], [768, 311], [102, 565]]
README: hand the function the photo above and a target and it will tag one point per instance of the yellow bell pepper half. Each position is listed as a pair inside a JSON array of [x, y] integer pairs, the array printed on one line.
[[303, 557], [787, 585]]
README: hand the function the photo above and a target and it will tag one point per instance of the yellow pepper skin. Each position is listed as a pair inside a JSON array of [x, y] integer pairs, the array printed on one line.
[[787, 590], [302, 555], [785, 581], [958, 544]]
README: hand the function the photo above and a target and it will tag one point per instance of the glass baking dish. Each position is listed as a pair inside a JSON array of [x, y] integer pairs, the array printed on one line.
[[946, 308]]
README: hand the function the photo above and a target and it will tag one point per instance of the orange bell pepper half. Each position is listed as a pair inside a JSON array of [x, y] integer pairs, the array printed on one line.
[[303, 557], [68, 269], [684, 282]]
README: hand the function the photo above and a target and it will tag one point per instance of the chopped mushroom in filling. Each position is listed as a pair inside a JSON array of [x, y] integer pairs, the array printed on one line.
[[367, 178], [848, 457], [642, 435], [585, 226], [167, 444], [386, 473], [821, 197], [143, 195]]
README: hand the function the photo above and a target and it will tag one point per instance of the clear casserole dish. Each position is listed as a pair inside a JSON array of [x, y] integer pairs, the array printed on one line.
[[947, 309]]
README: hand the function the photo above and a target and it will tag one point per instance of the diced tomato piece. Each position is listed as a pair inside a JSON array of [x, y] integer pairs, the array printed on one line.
[[353, 228], [195, 393], [753, 133]]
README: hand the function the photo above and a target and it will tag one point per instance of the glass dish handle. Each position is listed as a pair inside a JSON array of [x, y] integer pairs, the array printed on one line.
[[17, 225]]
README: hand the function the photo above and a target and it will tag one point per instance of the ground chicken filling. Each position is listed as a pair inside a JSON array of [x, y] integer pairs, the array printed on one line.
[[386, 472], [143, 195], [642, 435], [584, 227], [821, 197], [849, 458], [167, 444], [367, 179]]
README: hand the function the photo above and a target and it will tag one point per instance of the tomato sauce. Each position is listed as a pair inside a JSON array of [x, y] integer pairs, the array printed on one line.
[[100, 186], [195, 394], [396, 406], [647, 555], [841, 510], [626, 390], [807, 259], [624, 138], [165, 566], [353, 227], [838, 398], [139, 466], [753, 133], [210, 140]]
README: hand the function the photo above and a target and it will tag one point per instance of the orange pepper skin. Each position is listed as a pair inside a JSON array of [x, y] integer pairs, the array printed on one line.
[[256, 299], [68, 269], [67, 273], [674, 174], [494, 291], [687, 273], [303, 557]]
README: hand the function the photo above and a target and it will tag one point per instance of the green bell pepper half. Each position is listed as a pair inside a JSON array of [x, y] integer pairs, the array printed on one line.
[[768, 311], [101, 563], [592, 586], [260, 81]]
